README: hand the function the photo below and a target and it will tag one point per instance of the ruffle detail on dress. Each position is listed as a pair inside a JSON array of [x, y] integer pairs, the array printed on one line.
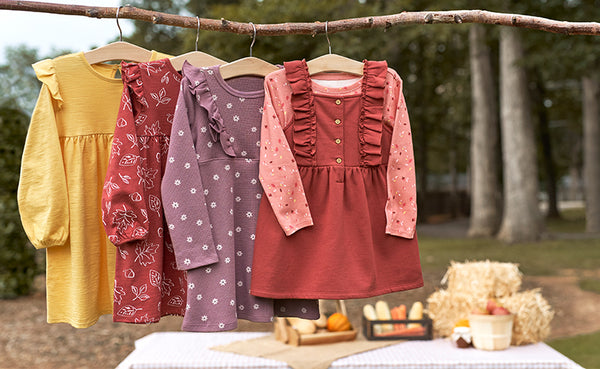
[[371, 115], [218, 132], [131, 74], [305, 121], [46, 73]]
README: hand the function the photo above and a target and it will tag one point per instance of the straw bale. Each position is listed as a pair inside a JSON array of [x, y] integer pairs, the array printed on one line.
[[446, 308], [533, 315], [483, 278]]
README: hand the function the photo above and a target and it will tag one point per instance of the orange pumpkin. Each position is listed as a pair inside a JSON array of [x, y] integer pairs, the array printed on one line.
[[338, 322]]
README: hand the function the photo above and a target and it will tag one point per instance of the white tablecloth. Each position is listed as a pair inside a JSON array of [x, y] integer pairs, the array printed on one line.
[[187, 350]]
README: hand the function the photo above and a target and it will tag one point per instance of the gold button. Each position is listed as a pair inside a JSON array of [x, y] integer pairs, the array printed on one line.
[[338, 102], [337, 121], [338, 160], [338, 141]]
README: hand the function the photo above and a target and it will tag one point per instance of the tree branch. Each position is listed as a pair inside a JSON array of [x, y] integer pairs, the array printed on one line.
[[341, 25]]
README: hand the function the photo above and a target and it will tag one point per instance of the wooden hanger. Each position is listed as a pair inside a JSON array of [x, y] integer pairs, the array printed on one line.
[[196, 58], [119, 50], [334, 62], [248, 66]]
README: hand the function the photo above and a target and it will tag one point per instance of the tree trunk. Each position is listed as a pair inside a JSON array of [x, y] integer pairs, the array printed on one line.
[[521, 219], [591, 151], [486, 209]]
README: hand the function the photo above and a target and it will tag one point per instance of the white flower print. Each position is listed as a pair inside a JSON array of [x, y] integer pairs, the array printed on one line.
[[199, 297], [248, 269], [257, 143], [303, 310], [203, 129], [249, 214], [204, 318], [244, 153], [238, 229], [229, 105], [222, 282], [231, 139], [187, 165], [282, 309], [242, 99], [192, 190], [237, 174], [191, 286], [177, 182], [254, 129], [227, 167], [252, 236], [221, 325], [227, 260], [239, 253], [219, 247], [209, 144], [230, 211], [189, 239], [205, 192], [199, 222], [187, 307], [232, 302], [238, 199], [180, 132], [171, 226], [208, 270], [241, 307], [258, 195], [213, 204], [187, 261], [171, 159], [253, 181], [204, 247], [215, 97], [216, 177], [183, 217], [209, 71], [256, 306], [145, 252], [261, 110], [230, 233], [215, 301], [236, 118], [240, 283]]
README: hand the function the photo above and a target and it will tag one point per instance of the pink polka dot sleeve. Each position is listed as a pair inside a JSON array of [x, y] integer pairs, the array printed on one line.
[[278, 171], [401, 206], [183, 193]]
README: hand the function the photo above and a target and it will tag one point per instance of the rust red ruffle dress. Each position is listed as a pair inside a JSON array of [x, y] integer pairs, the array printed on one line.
[[338, 219]]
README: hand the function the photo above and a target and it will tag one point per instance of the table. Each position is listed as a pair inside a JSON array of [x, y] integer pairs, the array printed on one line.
[[187, 350]]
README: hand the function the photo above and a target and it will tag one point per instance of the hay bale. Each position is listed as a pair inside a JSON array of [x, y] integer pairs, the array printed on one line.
[[483, 279], [533, 315], [446, 308]]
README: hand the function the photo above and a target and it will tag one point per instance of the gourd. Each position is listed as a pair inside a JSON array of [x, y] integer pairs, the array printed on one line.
[[383, 313], [416, 313], [303, 326], [338, 322]]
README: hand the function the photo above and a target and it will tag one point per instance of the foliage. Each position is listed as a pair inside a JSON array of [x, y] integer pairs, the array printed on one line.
[[17, 257], [583, 349], [18, 85]]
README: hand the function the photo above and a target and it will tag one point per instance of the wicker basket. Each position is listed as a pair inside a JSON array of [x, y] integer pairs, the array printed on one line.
[[491, 332]]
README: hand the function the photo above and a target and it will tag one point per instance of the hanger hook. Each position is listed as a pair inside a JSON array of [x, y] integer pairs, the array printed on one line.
[[197, 32], [327, 35], [118, 25], [253, 38]]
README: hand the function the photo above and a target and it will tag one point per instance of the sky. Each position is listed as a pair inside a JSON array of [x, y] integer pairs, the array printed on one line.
[[45, 31]]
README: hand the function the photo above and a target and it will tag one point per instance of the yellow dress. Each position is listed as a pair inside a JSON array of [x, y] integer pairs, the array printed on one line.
[[64, 162]]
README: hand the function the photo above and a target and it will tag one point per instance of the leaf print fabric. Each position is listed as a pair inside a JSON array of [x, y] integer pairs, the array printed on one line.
[[211, 194], [147, 283]]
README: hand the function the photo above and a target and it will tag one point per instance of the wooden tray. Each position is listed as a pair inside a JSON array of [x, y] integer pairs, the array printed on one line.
[[369, 331], [285, 333]]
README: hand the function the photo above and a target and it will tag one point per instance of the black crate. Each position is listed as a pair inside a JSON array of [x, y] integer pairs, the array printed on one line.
[[369, 328]]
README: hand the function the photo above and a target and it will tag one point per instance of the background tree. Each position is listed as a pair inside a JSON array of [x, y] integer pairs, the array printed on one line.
[[521, 217]]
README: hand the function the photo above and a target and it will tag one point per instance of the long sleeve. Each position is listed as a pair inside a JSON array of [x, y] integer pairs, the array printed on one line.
[[401, 206], [278, 172], [124, 201], [183, 193], [42, 195]]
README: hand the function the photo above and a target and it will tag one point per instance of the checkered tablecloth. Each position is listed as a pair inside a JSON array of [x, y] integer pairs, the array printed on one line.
[[187, 350]]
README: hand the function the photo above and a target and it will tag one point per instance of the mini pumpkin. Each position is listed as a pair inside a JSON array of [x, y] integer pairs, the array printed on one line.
[[338, 322]]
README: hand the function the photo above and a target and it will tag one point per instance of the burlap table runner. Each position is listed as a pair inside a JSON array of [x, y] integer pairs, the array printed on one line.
[[301, 357]]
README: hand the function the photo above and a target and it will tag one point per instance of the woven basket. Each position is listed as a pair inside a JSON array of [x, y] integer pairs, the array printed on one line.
[[491, 332]]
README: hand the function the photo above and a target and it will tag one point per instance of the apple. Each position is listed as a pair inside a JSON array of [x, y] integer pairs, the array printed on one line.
[[491, 305], [500, 310]]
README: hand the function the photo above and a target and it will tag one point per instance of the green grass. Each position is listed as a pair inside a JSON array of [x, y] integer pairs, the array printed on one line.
[[589, 284], [538, 258], [572, 221], [582, 349]]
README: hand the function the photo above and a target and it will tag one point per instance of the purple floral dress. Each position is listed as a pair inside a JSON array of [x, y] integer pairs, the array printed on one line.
[[211, 193]]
